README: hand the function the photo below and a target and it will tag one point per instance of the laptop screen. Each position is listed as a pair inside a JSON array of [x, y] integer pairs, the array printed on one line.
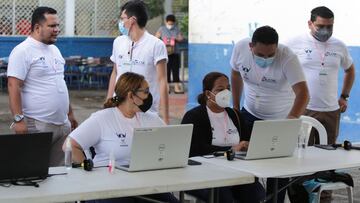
[[160, 147], [24, 156]]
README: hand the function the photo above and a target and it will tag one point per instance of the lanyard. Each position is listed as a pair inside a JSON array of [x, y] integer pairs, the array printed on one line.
[[321, 53], [226, 120], [130, 52]]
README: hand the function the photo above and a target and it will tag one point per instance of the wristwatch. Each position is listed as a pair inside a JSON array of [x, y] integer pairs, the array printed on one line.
[[18, 118], [345, 96]]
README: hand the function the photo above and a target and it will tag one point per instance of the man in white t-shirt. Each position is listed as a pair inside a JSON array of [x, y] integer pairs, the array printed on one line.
[[138, 51], [272, 78], [321, 56], [38, 96]]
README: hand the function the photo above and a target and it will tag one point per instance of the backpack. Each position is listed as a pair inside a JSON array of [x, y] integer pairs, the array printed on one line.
[[304, 190]]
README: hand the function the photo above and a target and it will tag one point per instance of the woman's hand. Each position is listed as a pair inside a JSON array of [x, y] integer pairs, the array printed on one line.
[[242, 146]]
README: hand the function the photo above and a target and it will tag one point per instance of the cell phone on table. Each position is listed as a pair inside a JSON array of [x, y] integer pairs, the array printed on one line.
[[323, 146]]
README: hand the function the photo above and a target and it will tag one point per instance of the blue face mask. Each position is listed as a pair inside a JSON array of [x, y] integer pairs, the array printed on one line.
[[123, 29], [263, 62]]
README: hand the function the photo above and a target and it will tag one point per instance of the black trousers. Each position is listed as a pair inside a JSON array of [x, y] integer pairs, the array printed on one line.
[[173, 67], [248, 193], [164, 197]]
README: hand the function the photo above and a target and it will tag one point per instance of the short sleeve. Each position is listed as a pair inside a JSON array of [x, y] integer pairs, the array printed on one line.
[[235, 57], [346, 60], [113, 55], [18, 66], [160, 52], [293, 70], [88, 133]]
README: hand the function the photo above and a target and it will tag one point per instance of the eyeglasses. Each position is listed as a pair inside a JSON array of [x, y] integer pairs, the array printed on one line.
[[324, 26], [146, 90]]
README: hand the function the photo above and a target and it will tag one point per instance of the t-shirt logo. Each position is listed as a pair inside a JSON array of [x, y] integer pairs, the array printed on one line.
[[269, 80], [308, 53], [231, 131], [122, 137], [245, 69], [328, 53]]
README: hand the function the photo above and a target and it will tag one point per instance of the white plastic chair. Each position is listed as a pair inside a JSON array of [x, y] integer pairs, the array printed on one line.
[[307, 123]]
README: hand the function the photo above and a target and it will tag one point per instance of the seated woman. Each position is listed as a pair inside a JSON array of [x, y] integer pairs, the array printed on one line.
[[110, 130], [219, 128]]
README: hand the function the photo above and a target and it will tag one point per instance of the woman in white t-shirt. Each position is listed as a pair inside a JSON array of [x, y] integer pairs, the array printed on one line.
[[217, 127], [110, 130]]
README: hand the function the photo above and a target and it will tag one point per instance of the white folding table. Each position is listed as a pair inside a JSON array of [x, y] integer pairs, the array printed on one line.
[[99, 184], [313, 160]]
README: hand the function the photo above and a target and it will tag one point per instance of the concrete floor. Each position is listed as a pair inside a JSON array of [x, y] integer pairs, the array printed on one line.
[[86, 102]]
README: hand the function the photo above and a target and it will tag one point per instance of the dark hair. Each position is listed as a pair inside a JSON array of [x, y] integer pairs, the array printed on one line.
[[128, 82], [265, 35], [136, 8], [38, 15], [208, 84], [170, 17], [321, 11]]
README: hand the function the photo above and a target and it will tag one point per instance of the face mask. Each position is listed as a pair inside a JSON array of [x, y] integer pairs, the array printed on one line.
[[263, 62], [169, 27], [322, 34], [146, 103], [123, 29], [223, 98]]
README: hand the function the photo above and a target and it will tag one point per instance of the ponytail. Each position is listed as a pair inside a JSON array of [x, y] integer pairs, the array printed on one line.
[[113, 102]]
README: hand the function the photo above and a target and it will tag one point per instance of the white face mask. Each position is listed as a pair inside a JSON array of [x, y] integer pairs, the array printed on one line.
[[169, 26], [223, 98]]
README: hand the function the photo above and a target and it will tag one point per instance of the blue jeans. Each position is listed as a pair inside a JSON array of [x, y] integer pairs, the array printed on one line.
[[249, 121]]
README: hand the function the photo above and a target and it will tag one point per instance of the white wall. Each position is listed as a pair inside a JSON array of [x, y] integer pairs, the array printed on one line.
[[225, 21]]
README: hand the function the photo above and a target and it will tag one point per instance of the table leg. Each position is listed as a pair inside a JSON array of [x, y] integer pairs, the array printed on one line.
[[181, 196], [211, 195], [275, 186]]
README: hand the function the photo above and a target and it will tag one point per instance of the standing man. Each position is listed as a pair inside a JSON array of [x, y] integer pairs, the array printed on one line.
[[273, 81], [138, 51], [171, 35], [321, 56], [38, 96]]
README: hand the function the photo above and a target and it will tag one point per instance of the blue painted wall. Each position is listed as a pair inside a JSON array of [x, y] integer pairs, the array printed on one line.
[[204, 58], [69, 46]]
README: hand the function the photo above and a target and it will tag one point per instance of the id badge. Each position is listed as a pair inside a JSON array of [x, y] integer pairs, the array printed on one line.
[[323, 77]]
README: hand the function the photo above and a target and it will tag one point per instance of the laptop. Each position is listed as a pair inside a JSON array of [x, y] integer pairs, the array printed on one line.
[[159, 148], [272, 138], [25, 156]]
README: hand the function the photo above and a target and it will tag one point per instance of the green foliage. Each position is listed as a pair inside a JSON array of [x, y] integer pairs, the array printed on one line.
[[155, 7], [184, 26]]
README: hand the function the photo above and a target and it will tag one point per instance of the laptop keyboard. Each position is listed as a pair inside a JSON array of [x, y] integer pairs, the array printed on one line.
[[240, 154]]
